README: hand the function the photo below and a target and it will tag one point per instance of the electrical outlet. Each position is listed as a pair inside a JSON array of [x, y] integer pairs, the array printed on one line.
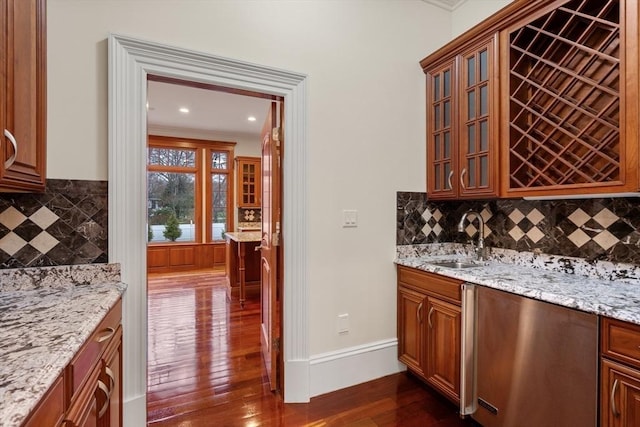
[[349, 218], [343, 323]]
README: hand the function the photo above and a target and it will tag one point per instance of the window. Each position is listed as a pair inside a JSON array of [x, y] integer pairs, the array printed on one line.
[[184, 179], [220, 200]]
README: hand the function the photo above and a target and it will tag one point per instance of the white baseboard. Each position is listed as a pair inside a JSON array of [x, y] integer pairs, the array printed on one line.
[[135, 412], [347, 367]]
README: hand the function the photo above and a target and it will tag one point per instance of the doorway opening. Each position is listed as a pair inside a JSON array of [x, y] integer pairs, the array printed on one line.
[[192, 212], [131, 60]]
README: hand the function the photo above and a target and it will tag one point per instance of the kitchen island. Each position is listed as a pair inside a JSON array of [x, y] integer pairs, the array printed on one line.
[[243, 264], [46, 316]]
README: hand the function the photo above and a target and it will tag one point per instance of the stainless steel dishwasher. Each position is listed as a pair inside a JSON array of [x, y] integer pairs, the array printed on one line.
[[527, 363]]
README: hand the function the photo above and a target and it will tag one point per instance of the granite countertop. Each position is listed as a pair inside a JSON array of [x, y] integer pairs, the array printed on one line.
[[603, 288], [245, 236], [46, 314]]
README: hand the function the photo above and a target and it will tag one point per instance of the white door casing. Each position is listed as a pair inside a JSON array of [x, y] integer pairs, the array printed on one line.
[[130, 61]]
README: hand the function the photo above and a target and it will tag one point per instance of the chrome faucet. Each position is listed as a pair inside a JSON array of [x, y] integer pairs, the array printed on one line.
[[480, 249]]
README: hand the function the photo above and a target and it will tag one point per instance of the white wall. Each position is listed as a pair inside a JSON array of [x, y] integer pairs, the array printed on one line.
[[471, 12], [366, 119], [365, 127]]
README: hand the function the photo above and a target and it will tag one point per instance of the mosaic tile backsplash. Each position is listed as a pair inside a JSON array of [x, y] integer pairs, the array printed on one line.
[[250, 215], [67, 224], [594, 229]]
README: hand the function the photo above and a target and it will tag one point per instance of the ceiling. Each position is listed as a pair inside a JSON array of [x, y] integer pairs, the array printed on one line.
[[209, 110], [446, 4]]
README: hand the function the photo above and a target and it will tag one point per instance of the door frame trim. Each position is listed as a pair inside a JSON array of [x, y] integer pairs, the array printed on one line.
[[130, 61]]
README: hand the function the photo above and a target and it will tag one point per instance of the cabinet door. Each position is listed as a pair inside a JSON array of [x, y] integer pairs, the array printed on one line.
[[441, 132], [443, 347], [23, 95], [249, 180], [410, 328], [478, 141], [110, 414], [91, 396], [620, 395]]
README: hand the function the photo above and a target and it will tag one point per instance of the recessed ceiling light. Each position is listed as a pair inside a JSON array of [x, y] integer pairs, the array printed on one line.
[[251, 119], [184, 110]]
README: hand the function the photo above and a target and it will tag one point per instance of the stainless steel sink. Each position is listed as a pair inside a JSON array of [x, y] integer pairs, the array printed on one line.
[[456, 264]]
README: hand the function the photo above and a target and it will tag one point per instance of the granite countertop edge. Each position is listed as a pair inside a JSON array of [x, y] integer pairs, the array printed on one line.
[[607, 289], [43, 324]]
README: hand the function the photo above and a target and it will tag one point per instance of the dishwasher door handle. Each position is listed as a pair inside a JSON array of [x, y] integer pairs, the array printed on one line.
[[468, 357]]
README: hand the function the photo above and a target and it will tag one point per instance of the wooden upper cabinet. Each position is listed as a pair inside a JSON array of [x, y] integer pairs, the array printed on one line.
[[570, 99], [462, 101], [562, 103], [22, 95], [249, 180], [478, 127]]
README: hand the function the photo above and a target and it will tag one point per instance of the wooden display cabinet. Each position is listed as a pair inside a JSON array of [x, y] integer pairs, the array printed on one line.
[[249, 182], [429, 328], [570, 98], [462, 124], [563, 103], [23, 95]]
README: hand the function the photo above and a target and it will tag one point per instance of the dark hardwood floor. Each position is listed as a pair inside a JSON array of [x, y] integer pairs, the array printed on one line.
[[205, 369]]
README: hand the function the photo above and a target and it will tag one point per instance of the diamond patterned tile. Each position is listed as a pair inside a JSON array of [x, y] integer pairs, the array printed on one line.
[[12, 243], [579, 238], [516, 233], [43, 217], [27, 230], [606, 240], [427, 215], [437, 215], [516, 216], [605, 217], [437, 230], [535, 234], [579, 217], [535, 216], [11, 218], [44, 242]]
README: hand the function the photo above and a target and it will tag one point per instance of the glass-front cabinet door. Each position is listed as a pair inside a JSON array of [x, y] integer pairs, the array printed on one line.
[[441, 151], [478, 114], [462, 114]]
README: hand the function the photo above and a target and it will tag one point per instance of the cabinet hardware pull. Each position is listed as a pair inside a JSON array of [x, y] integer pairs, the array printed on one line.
[[462, 174], [109, 333], [449, 180], [429, 318], [11, 159], [257, 248], [419, 313], [104, 389], [612, 399], [112, 379]]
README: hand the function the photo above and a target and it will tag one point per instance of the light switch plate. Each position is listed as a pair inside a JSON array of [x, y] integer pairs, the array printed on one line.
[[349, 218]]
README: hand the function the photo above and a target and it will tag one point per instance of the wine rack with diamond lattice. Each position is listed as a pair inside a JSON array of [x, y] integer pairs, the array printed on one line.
[[564, 83]]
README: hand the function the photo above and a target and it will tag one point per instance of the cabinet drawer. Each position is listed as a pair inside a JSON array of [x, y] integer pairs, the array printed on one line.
[[431, 283], [620, 340], [50, 410], [85, 360]]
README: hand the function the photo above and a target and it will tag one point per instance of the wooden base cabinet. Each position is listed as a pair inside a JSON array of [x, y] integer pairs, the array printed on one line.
[[429, 325], [620, 374], [620, 395], [89, 391]]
